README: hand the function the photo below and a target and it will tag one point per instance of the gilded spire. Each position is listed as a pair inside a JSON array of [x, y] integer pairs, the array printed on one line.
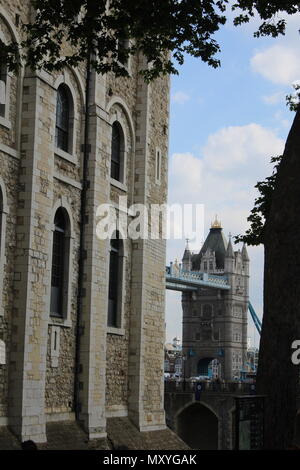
[[216, 223]]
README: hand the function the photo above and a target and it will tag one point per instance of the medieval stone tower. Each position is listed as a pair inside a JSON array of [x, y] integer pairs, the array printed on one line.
[[215, 320], [104, 360]]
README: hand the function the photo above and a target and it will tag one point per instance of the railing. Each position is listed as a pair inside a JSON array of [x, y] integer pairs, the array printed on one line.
[[210, 387], [195, 277]]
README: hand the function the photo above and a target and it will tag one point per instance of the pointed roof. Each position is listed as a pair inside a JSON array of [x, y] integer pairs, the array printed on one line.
[[187, 252], [216, 223], [216, 242], [245, 253], [229, 251]]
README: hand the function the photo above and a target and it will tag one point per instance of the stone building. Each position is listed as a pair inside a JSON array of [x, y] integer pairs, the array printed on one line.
[[215, 320], [173, 358], [74, 344]]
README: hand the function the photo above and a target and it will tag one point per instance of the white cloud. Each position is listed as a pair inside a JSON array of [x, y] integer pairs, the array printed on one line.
[[241, 150], [233, 160], [279, 64], [180, 97], [275, 98]]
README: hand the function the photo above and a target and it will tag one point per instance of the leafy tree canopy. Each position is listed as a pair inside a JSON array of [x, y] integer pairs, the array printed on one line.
[[262, 205], [114, 29]]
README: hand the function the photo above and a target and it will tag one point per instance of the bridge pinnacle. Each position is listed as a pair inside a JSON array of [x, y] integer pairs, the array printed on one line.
[[216, 223]]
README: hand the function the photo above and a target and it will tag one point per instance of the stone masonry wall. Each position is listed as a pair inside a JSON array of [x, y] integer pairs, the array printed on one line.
[[155, 273], [38, 178], [9, 175], [9, 169]]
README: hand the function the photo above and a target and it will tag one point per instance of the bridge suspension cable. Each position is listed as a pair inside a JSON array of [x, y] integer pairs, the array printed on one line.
[[255, 318]]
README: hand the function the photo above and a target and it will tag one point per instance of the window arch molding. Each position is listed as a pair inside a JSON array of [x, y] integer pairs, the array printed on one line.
[[63, 205], [4, 210], [120, 103], [64, 82], [119, 112], [10, 25], [6, 76]]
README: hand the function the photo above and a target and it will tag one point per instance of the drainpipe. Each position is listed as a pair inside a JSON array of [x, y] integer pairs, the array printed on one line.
[[86, 148]]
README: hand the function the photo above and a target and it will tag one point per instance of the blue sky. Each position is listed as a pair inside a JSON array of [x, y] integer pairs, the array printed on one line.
[[225, 125]]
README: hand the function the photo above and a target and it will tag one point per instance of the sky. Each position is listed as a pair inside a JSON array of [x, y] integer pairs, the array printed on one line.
[[225, 125]]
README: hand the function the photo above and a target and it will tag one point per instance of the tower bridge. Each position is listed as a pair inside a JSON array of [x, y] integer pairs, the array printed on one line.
[[215, 301]]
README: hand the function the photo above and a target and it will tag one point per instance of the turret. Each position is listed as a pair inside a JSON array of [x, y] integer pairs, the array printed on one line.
[[187, 258], [245, 254], [229, 258], [245, 260]]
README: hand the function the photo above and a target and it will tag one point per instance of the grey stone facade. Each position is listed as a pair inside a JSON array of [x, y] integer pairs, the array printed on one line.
[[117, 375]]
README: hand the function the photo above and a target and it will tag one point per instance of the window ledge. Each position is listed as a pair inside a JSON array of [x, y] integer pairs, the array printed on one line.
[[56, 321], [65, 155], [115, 331], [118, 184], [5, 122]]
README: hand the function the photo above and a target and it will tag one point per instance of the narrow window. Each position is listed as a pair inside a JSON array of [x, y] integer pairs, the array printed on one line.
[[62, 129], [123, 46], [1, 220], [58, 276], [115, 282], [207, 311], [211, 267], [116, 152], [3, 79], [158, 166], [2, 244], [205, 265]]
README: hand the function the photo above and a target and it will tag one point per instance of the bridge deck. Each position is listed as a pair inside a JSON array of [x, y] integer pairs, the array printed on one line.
[[191, 280]]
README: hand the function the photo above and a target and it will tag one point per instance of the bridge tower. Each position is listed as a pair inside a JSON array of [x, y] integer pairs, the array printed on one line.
[[215, 320]]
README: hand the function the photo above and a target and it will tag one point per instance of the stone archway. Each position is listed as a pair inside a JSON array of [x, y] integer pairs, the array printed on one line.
[[209, 367], [198, 426]]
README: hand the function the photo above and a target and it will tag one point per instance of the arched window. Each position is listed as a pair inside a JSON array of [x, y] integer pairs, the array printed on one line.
[[117, 143], [123, 46], [63, 111], [115, 281], [3, 79], [59, 274], [207, 311]]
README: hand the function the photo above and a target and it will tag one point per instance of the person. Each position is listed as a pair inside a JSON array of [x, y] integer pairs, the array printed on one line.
[[198, 391], [29, 445]]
